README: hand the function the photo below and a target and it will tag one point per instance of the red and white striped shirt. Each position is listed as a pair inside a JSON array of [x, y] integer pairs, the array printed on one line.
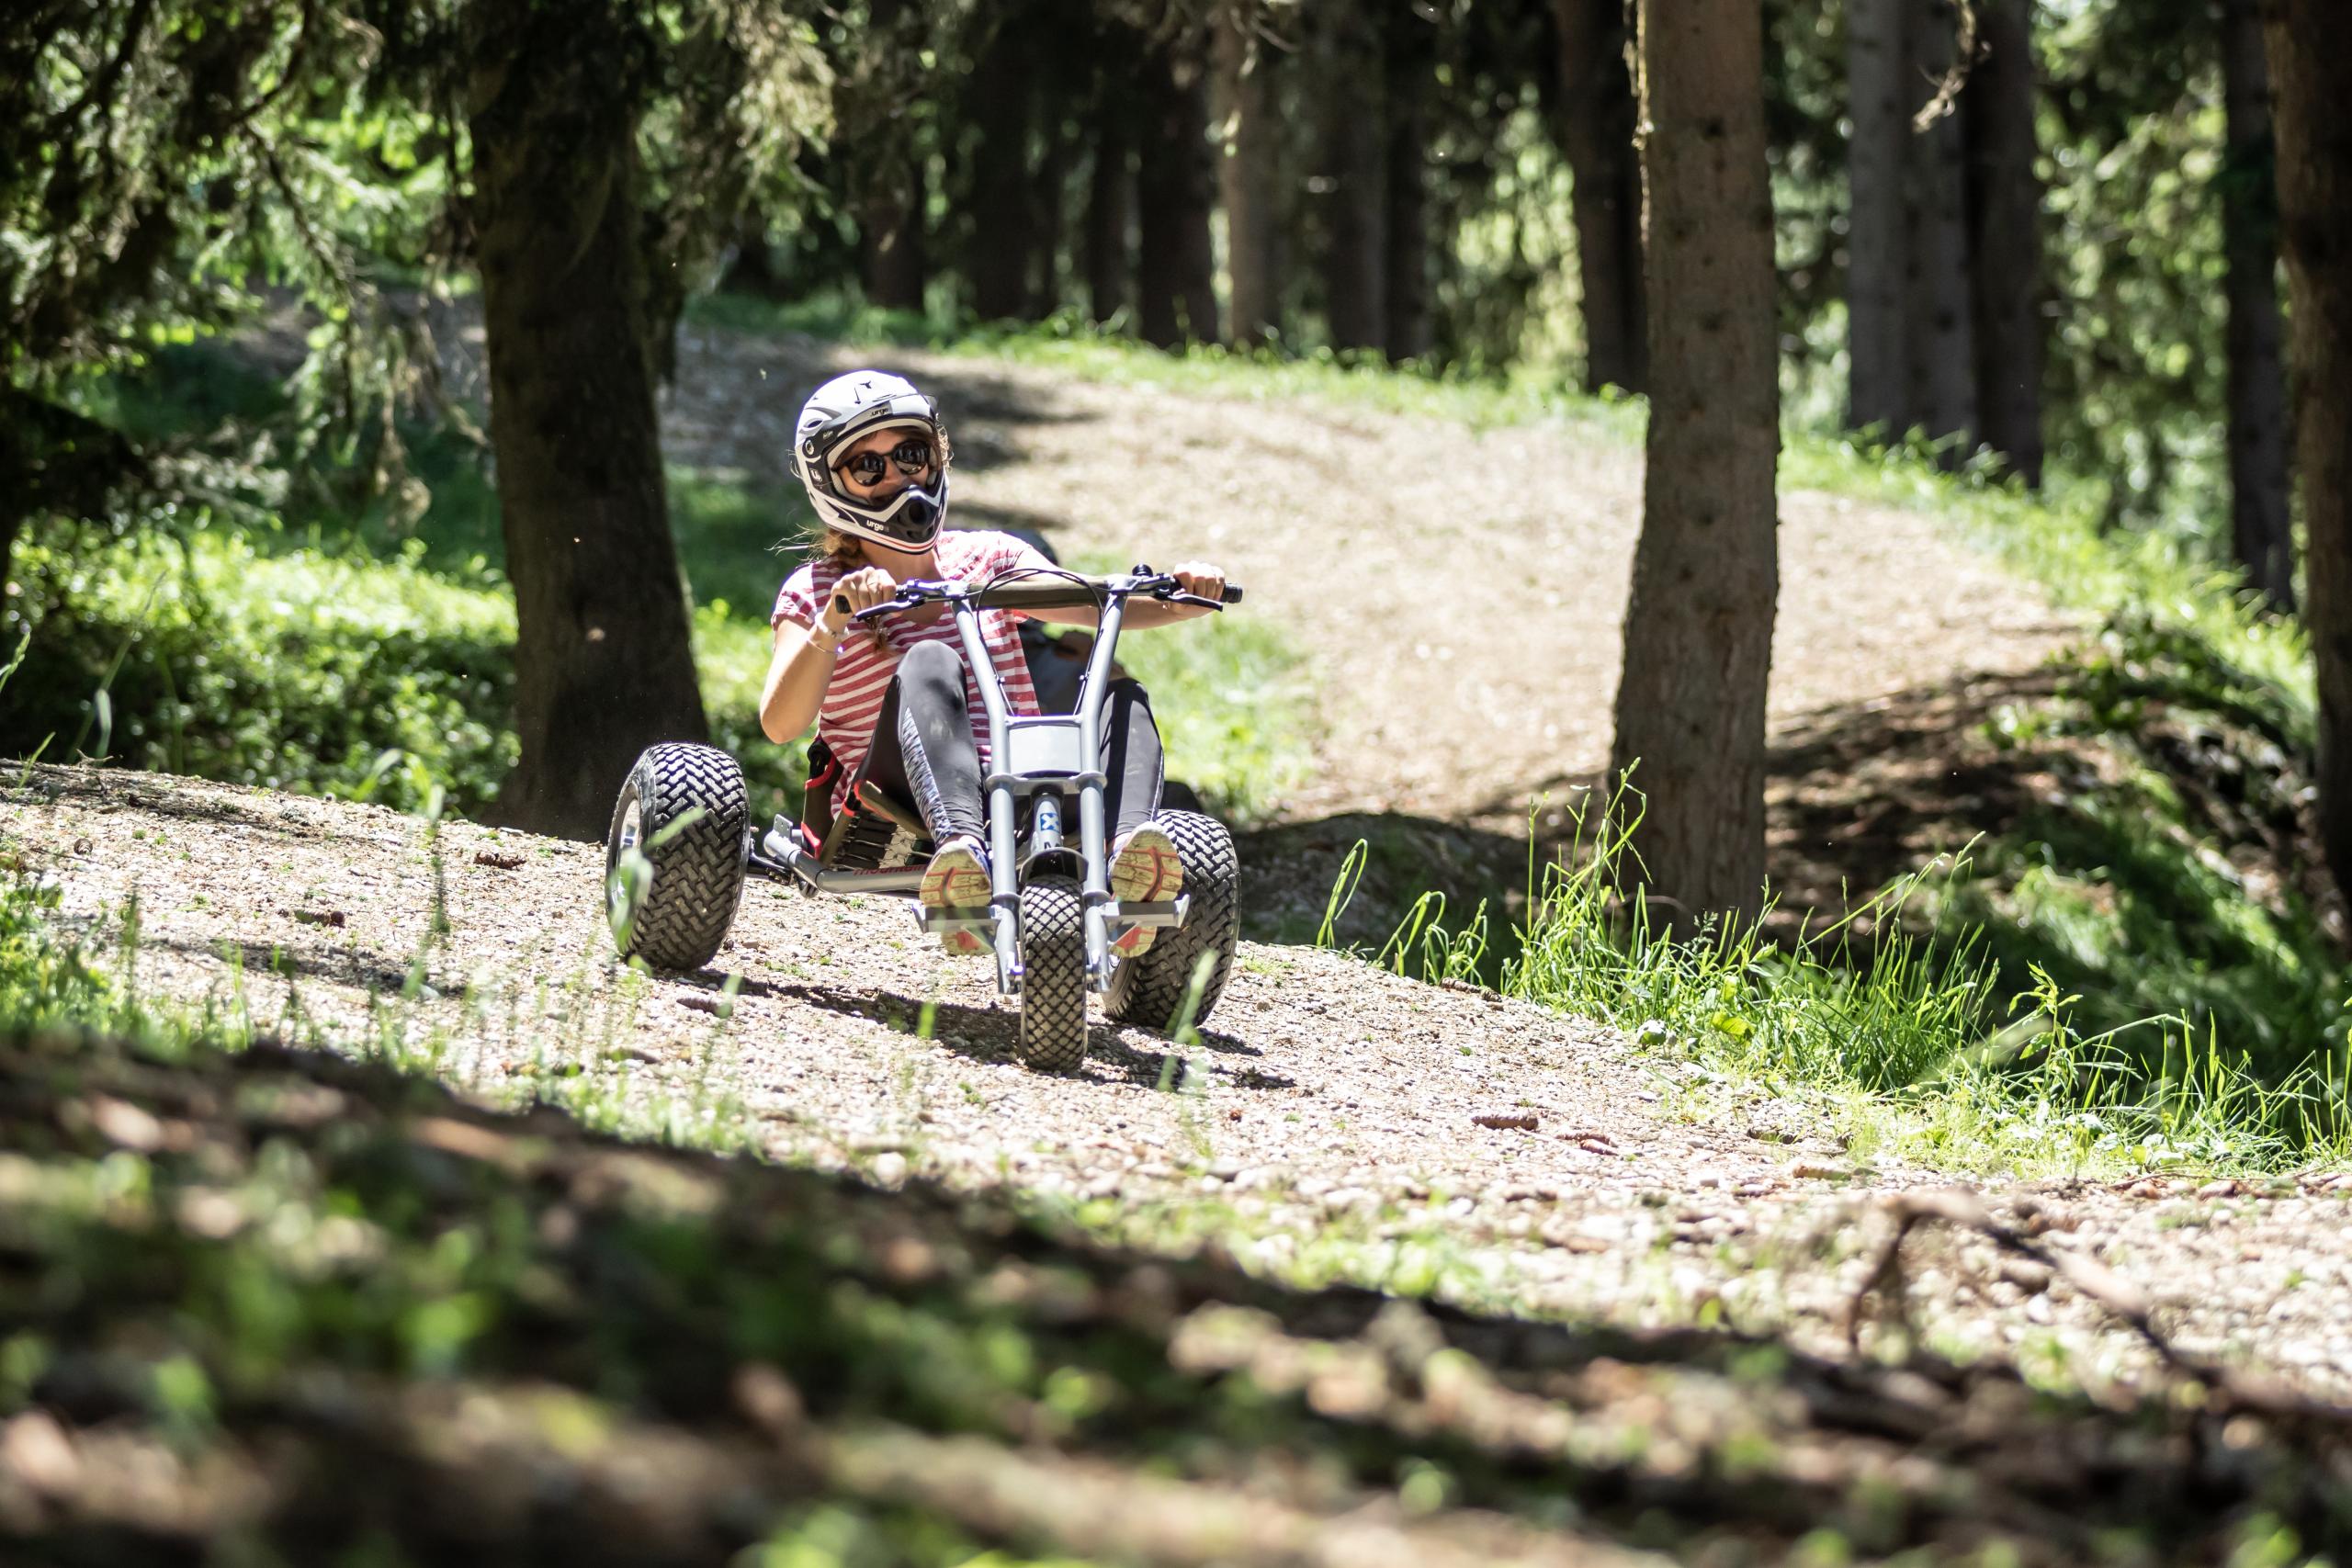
[[870, 653]]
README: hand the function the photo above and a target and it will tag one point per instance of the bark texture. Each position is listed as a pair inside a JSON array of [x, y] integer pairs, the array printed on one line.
[[1698, 627], [2310, 73], [1351, 176], [1911, 345], [1110, 203], [1938, 336], [1176, 266], [1597, 134], [1001, 206], [1404, 263], [1048, 193], [892, 194], [2260, 530], [2005, 235], [1876, 84], [603, 667], [1249, 151]]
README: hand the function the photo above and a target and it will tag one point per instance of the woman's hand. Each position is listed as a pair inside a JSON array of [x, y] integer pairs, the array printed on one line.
[[1199, 578], [865, 588]]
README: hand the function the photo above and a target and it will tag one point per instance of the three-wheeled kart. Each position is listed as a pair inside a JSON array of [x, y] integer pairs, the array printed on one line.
[[681, 842]]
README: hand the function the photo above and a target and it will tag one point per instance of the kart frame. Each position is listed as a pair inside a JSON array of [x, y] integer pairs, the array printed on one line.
[[1048, 762]]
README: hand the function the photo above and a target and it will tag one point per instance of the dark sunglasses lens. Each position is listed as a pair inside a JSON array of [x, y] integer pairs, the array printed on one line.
[[913, 454], [866, 467]]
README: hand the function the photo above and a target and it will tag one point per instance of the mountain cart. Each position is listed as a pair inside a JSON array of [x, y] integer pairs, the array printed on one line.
[[683, 843]]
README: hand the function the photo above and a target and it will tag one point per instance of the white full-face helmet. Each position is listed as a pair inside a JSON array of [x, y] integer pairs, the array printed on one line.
[[847, 409]]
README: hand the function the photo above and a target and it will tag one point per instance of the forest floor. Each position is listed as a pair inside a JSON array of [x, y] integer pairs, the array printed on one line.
[[1336, 1124]]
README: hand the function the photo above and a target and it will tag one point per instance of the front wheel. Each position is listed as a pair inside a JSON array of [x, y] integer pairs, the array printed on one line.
[[675, 856], [1151, 988], [1053, 975]]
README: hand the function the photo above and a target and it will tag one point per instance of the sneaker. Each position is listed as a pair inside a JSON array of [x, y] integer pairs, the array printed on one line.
[[957, 878], [1144, 869]]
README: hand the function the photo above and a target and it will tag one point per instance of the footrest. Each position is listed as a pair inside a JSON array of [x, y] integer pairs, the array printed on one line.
[[1168, 914], [935, 921]]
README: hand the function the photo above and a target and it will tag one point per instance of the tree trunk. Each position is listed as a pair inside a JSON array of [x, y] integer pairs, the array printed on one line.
[[1242, 71], [1942, 347], [1698, 627], [2311, 75], [1111, 197], [873, 100], [1354, 235], [2257, 384], [1049, 197], [890, 240], [603, 667], [1176, 267], [1597, 134], [1000, 234], [2004, 236], [1876, 84], [1404, 263]]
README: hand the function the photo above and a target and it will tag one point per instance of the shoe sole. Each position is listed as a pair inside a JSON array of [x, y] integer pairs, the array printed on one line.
[[1147, 871], [956, 882]]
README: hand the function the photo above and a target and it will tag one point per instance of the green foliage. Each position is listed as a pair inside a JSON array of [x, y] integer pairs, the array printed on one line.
[[1903, 1035], [45, 979], [2168, 877], [303, 670]]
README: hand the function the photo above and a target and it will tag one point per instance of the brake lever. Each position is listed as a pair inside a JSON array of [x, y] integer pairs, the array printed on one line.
[[841, 602]]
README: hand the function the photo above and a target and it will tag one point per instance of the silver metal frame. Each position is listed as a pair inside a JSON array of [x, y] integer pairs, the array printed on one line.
[[779, 851]]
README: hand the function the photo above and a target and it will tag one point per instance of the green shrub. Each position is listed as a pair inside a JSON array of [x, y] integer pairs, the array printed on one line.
[[44, 977], [329, 673]]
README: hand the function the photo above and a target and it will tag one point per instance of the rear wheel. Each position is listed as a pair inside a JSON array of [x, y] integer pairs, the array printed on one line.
[[1053, 975], [675, 857], [1149, 989]]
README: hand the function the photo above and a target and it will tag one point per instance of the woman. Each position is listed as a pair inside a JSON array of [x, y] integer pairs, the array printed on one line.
[[892, 697]]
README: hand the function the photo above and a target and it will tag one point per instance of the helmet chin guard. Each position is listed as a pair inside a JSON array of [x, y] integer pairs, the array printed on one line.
[[845, 409]]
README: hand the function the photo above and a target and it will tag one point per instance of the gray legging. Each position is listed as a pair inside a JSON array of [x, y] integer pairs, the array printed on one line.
[[922, 752]]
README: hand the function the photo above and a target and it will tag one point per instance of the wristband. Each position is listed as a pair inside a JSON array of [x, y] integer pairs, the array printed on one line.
[[819, 637]]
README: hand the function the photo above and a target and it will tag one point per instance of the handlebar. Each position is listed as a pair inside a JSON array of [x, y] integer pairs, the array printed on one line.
[[1046, 593]]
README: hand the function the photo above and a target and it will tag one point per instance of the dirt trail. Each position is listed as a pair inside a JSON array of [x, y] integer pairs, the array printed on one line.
[[1459, 592], [1333, 1111]]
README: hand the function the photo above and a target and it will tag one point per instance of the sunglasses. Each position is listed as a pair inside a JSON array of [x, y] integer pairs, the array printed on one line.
[[911, 455]]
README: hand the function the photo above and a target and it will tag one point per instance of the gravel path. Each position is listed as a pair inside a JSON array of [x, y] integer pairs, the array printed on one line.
[[1329, 1124], [1461, 591]]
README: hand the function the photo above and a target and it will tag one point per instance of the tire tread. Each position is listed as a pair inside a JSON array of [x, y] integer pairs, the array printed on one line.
[[1053, 984], [1148, 988], [698, 876]]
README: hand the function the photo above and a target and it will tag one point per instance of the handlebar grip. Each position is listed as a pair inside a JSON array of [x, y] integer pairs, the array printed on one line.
[[841, 602], [1232, 595]]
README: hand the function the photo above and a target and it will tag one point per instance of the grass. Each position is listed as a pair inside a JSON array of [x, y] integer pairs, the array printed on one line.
[[1911, 1046]]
